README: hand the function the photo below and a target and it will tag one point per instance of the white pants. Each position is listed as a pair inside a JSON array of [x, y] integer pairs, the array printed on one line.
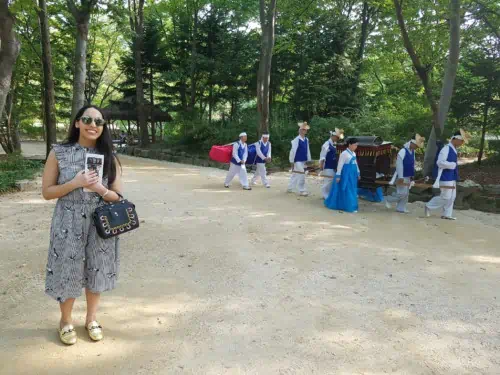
[[445, 199], [233, 171], [261, 172], [327, 183], [400, 196], [298, 178]]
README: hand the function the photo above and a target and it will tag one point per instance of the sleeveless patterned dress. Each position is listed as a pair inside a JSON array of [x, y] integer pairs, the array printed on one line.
[[78, 258]]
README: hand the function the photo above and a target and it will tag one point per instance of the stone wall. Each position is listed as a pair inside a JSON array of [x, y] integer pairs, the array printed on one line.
[[171, 156], [469, 194]]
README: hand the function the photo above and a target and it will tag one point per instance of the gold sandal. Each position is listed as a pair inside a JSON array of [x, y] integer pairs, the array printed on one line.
[[95, 331], [67, 334]]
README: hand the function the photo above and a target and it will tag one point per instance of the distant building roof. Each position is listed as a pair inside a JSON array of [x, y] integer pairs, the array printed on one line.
[[126, 109]]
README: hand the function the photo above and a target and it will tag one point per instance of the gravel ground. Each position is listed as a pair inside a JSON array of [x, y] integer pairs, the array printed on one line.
[[221, 281]]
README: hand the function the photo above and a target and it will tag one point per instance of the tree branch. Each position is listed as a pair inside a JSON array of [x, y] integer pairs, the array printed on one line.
[[262, 13], [108, 93], [132, 23], [485, 8], [73, 9], [421, 70], [490, 25]]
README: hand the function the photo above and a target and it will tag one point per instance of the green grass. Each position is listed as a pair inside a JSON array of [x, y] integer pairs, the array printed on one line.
[[14, 168]]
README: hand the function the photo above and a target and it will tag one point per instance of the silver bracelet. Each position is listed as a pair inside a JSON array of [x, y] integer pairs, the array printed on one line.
[[107, 191]]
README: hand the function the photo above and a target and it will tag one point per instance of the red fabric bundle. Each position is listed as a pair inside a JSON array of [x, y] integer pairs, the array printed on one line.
[[222, 154]]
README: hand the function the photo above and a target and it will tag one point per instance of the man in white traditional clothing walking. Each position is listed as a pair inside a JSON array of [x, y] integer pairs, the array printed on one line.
[[447, 177], [263, 149], [328, 160], [300, 154], [405, 171], [237, 164]]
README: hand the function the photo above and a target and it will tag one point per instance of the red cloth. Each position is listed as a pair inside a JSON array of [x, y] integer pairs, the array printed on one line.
[[222, 154]]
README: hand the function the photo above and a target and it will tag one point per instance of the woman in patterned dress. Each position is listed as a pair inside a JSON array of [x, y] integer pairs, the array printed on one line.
[[78, 258]]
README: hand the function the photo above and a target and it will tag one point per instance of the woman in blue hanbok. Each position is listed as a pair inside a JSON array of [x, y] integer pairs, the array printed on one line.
[[344, 193]]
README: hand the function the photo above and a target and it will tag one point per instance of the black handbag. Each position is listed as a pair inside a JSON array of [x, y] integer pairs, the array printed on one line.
[[115, 218]]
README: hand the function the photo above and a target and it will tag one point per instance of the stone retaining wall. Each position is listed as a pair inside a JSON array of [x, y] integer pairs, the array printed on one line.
[[469, 195], [172, 156]]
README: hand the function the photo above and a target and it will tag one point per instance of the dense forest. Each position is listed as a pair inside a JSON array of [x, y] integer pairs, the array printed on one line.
[[196, 72]]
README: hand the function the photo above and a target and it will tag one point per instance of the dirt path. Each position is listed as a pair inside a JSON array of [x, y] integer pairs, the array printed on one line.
[[232, 282]]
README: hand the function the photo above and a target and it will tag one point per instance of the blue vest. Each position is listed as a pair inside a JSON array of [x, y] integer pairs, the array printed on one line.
[[331, 157], [241, 153], [450, 174], [409, 164], [264, 149], [439, 147], [301, 154]]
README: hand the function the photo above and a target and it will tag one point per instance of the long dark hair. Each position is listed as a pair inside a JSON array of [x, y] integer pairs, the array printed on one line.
[[104, 144]]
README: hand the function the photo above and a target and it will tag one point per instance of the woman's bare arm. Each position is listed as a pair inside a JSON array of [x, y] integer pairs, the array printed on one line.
[[116, 187], [50, 188], [110, 194]]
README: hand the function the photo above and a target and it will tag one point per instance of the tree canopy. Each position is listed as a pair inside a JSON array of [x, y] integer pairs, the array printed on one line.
[[334, 63]]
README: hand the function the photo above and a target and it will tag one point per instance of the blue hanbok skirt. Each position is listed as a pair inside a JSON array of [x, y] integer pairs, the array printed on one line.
[[344, 194], [370, 195]]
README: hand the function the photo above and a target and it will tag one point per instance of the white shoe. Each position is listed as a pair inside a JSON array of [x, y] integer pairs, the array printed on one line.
[[289, 191], [226, 186], [253, 183], [403, 212], [268, 186], [304, 194], [247, 188], [448, 218], [387, 204], [67, 334], [427, 212]]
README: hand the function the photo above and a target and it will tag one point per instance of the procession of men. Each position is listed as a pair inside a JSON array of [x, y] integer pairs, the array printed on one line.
[[337, 188]]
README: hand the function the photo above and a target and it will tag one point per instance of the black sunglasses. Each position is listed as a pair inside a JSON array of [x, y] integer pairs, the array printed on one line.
[[87, 120]]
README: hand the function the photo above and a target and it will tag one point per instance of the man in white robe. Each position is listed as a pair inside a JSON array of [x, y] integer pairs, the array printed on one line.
[[405, 171], [300, 154], [328, 161], [237, 164], [447, 177], [261, 147]]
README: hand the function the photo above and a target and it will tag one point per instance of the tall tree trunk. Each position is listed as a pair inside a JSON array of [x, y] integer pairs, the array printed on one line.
[[486, 110], [422, 71], [14, 126], [210, 103], [267, 22], [80, 69], [9, 50], [234, 107], [211, 38], [9, 137], [48, 78], [137, 25], [82, 17], [447, 89], [194, 52], [151, 94], [182, 93], [439, 113], [202, 108], [365, 23]]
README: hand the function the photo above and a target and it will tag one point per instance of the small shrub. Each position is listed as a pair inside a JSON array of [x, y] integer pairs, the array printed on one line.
[[14, 168]]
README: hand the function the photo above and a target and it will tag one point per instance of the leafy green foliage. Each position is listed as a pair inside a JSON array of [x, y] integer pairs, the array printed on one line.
[[313, 69], [14, 168]]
